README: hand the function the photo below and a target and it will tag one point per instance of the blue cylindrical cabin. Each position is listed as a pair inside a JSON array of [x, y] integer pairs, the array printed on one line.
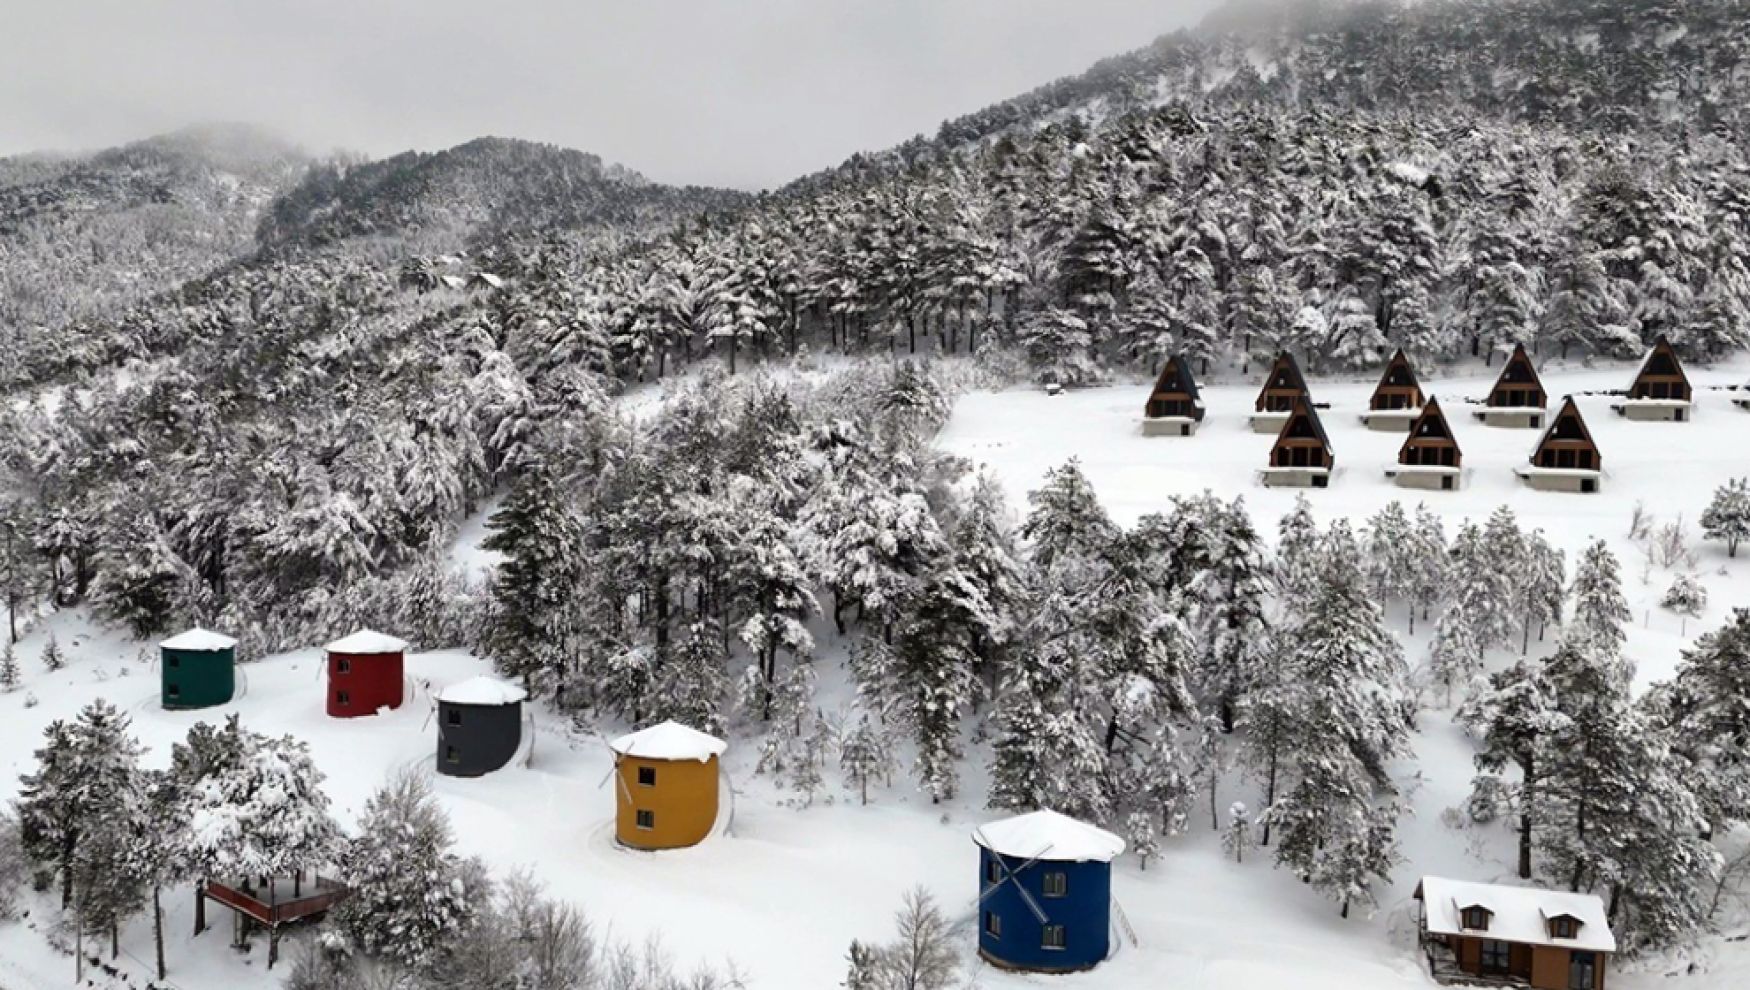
[[1045, 884]]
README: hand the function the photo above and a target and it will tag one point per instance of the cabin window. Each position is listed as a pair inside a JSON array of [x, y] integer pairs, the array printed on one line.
[[1475, 919], [1561, 928], [646, 819], [1582, 971], [1051, 937], [1056, 885], [993, 873], [173, 691], [452, 755], [453, 716], [173, 662], [343, 666], [1497, 956], [342, 698], [993, 924], [646, 776]]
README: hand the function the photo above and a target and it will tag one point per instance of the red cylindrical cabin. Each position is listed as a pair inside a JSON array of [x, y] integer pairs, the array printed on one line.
[[364, 674]]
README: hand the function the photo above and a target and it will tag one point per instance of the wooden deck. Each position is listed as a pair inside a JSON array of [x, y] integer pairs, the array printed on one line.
[[276, 910]]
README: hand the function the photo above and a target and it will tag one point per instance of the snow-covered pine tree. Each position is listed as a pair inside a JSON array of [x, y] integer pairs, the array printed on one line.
[[865, 755], [1686, 595], [406, 897], [1727, 517], [53, 659], [1389, 545], [9, 673], [1230, 611], [87, 772], [1066, 520], [1542, 586], [1236, 837], [534, 589], [1708, 713], [1599, 609], [1512, 715], [1297, 549], [1430, 563], [693, 686], [1342, 725]]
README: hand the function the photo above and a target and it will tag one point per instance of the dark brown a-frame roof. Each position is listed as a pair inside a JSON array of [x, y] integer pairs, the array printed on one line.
[[1568, 442], [1174, 383], [1398, 387], [1518, 378], [1302, 429], [1282, 383], [1430, 437], [1661, 368]]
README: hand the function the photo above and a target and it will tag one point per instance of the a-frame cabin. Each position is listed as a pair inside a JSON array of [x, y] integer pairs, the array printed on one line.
[[1518, 399], [1174, 408], [1282, 388], [1566, 458], [1430, 457], [1661, 391], [1743, 399], [1301, 457], [1397, 399]]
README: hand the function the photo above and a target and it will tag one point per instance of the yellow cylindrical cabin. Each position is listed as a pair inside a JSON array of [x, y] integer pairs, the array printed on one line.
[[666, 788]]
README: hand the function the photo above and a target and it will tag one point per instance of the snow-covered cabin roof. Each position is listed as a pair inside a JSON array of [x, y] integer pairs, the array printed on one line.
[[199, 640], [482, 691], [367, 641], [1049, 836], [1516, 914], [669, 741]]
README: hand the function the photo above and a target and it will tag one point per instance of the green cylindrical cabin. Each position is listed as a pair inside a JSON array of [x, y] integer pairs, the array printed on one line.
[[199, 669]]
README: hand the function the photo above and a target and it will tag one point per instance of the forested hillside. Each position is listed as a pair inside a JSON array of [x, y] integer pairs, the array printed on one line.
[[86, 235]]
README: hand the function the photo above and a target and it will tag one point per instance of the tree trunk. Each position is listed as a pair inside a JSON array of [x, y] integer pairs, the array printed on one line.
[[1269, 797], [158, 931]]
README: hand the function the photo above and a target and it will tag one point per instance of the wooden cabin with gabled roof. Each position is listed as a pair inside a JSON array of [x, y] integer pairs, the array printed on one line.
[[1174, 408], [1397, 399], [1302, 455], [1566, 458], [1518, 399], [1430, 457], [1282, 387], [1493, 934], [1661, 391]]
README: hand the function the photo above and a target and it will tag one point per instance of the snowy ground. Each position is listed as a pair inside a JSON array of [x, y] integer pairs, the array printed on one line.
[[782, 890]]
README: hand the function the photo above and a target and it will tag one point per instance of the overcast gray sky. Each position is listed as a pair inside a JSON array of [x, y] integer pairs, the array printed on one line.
[[747, 93]]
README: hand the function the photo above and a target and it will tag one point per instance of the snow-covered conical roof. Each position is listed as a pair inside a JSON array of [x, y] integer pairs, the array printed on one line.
[[367, 641], [201, 640], [669, 741], [1049, 836], [482, 691]]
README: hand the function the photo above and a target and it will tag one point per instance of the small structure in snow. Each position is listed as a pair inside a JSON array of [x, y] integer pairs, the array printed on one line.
[[198, 669], [1742, 400], [1302, 455], [666, 783], [1045, 892], [365, 674], [269, 903], [485, 281], [1282, 387], [1397, 399], [1174, 408], [1518, 399], [1430, 457], [1550, 940], [1661, 390], [1566, 458], [480, 726]]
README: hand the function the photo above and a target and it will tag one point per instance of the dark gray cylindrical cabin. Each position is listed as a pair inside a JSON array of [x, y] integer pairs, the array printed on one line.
[[480, 726]]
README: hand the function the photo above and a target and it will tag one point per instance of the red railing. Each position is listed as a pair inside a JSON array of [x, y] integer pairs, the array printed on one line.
[[325, 893]]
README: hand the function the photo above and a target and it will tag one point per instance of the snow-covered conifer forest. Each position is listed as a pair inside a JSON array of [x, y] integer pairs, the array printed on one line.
[[849, 474]]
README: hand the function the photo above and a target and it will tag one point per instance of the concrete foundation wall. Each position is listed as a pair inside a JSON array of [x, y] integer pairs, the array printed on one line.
[[1653, 414], [1296, 479], [1270, 423], [1423, 481], [1513, 419], [1559, 482], [1169, 427]]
